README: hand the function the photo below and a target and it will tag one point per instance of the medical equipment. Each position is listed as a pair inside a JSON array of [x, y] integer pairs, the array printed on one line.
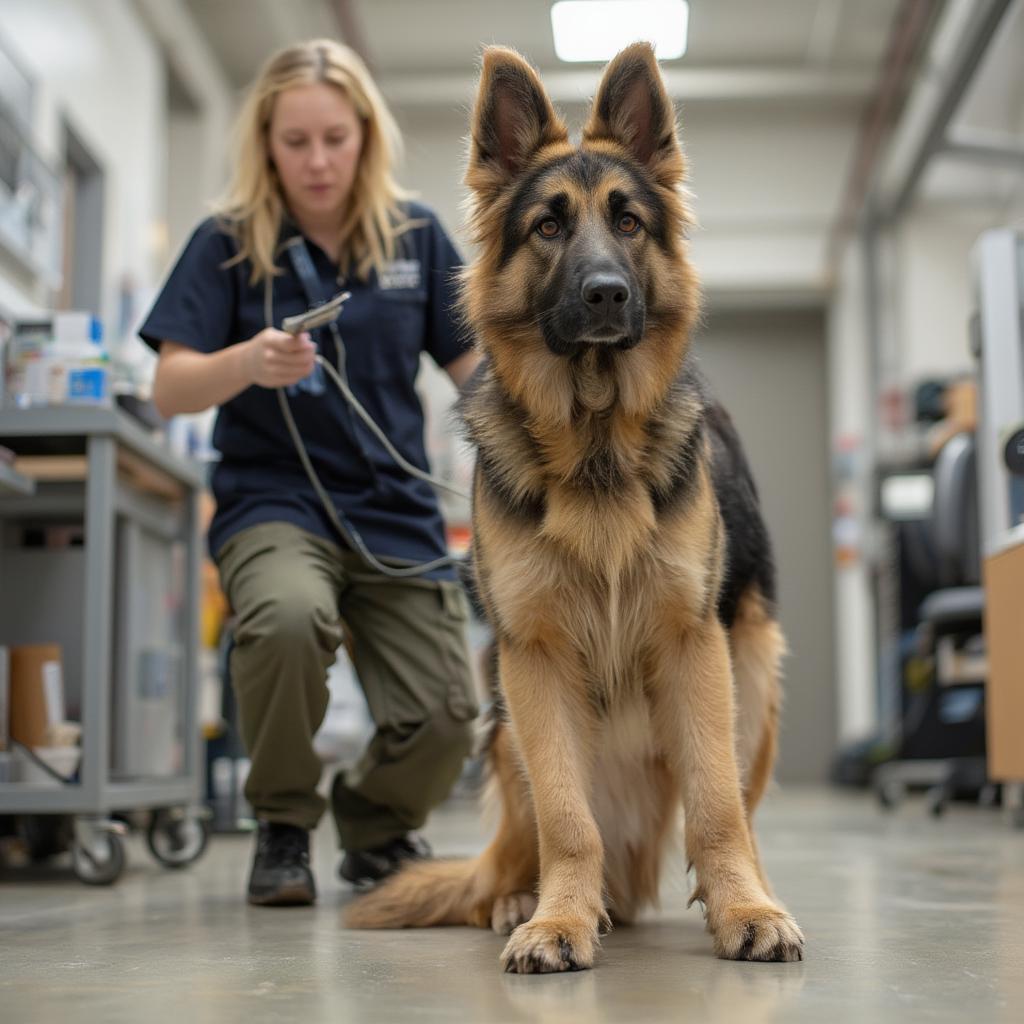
[[325, 314]]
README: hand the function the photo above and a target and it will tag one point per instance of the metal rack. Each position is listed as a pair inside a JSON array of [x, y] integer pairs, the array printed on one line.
[[12, 482], [124, 482]]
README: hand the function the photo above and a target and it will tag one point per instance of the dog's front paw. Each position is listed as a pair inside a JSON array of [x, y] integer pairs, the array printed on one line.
[[550, 945], [758, 933], [511, 911]]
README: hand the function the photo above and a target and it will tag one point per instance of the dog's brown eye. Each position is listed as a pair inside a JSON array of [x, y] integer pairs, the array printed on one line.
[[549, 227], [628, 224]]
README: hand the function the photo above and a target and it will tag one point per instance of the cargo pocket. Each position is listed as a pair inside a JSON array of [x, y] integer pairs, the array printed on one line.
[[461, 694]]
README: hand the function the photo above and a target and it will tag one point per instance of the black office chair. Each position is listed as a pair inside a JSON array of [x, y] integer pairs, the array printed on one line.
[[942, 744], [958, 603]]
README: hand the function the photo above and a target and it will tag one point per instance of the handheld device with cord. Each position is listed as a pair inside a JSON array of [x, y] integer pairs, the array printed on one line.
[[325, 314]]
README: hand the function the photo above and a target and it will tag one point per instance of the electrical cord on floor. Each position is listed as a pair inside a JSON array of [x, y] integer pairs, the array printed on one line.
[[40, 763]]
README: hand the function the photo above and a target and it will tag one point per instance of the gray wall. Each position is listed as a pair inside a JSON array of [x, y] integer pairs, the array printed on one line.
[[769, 369]]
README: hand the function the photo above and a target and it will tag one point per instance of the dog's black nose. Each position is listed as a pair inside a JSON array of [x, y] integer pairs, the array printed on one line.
[[605, 292]]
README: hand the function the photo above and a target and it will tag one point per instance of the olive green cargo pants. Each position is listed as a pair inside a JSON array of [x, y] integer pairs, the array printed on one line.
[[290, 592]]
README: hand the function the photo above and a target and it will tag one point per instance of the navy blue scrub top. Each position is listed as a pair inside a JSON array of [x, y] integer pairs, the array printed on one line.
[[385, 325]]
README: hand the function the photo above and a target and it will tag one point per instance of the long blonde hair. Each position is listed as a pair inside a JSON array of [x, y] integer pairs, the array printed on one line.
[[253, 207]]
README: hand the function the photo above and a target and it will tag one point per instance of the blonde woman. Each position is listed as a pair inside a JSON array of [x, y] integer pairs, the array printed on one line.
[[313, 178]]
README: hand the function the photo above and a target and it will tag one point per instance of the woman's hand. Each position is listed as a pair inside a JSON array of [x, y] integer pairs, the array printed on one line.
[[275, 359]]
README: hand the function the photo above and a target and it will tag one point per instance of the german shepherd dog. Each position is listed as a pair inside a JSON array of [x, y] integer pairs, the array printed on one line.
[[619, 551]]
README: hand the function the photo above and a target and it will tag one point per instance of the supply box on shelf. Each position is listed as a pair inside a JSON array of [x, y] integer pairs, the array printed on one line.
[[56, 360]]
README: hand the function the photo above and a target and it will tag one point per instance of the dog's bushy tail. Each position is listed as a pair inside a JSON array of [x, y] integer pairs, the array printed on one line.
[[422, 894]]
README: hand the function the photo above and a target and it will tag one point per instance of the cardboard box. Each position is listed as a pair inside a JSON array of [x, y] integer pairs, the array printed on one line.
[[36, 692], [1004, 637]]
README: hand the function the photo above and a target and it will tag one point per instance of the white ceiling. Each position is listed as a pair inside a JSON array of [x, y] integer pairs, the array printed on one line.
[[446, 35], [772, 92], [738, 49], [992, 109]]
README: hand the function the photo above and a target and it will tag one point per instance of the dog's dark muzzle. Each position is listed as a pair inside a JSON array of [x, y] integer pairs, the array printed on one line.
[[608, 311], [606, 295], [603, 310], [606, 302]]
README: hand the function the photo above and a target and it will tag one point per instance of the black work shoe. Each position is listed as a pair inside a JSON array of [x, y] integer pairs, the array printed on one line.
[[365, 868], [280, 870]]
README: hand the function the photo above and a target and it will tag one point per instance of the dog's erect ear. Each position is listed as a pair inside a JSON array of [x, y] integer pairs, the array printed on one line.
[[512, 119], [633, 109]]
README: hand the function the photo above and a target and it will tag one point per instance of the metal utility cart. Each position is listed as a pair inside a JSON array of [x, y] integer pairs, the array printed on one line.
[[13, 482], [136, 506]]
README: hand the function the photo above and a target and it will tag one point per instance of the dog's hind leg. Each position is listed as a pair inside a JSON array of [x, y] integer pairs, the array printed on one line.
[[509, 912], [509, 867], [493, 890]]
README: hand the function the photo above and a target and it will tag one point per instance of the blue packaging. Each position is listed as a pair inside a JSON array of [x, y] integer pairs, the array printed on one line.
[[89, 384]]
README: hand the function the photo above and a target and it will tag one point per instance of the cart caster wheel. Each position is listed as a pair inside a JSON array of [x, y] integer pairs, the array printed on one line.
[[100, 860], [176, 839], [938, 800]]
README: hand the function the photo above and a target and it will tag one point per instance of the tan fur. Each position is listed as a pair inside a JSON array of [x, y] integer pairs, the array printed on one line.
[[620, 682], [757, 651]]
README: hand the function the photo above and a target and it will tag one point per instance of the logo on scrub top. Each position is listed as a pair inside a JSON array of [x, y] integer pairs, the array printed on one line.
[[400, 274]]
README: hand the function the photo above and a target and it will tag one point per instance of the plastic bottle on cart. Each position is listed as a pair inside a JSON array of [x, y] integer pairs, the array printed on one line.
[[80, 372], [58, 360]]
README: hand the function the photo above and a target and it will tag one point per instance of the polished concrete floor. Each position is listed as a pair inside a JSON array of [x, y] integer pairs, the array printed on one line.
[[907, 919]]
